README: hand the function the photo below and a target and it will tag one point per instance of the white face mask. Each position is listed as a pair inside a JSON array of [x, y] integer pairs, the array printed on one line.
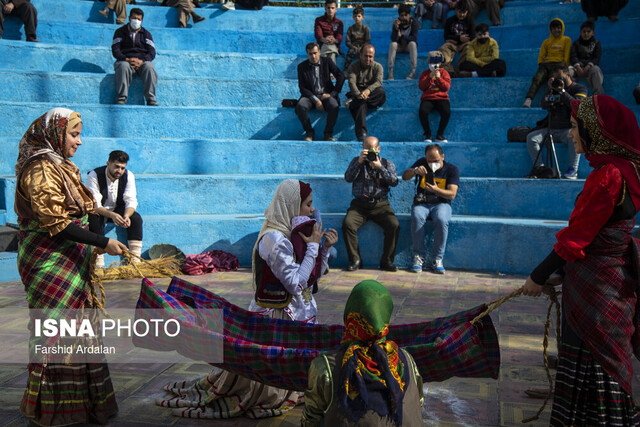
[[435, 166], [135, 24], [434, 67]]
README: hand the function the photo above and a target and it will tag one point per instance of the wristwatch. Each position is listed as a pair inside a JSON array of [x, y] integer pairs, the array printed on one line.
[[415, 171]]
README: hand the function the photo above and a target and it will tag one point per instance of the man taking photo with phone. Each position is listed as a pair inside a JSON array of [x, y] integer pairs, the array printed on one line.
[[436, 186]]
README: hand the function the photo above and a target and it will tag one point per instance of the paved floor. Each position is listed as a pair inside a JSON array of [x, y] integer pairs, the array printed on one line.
[[417, 297]]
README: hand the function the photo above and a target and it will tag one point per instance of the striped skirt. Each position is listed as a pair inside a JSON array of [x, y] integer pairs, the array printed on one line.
[[586, 395]]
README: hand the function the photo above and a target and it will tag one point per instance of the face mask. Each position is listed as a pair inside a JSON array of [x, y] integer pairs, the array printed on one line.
[[482, 41], [434, 67], [434, 166], [135, 24]]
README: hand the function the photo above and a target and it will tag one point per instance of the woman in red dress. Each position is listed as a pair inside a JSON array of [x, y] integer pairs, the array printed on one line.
[[600, 259]]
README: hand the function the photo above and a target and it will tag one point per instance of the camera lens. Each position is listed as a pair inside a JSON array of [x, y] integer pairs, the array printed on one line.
[[372, 156]]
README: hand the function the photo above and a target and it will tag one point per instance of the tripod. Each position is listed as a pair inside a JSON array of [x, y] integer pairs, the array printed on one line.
[[551, 157]]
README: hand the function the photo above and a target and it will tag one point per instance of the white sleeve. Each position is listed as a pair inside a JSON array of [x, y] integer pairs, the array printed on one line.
[[277, 251], [92, 184], [130, 195]]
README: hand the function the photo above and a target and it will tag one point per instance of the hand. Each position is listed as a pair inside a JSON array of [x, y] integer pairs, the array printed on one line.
[[113, 247], [586, 68], [8, 8], [420, 170], [365, 94], [376, 164], [316, 234], [363, 156], [436, 75], [325, 96], [464, 38], [554, 280], [330, 238], [118, 219], [127, 221], [531, 288], [330, 40], [549, 82], [432, 188], [396, 24], [319, 105]]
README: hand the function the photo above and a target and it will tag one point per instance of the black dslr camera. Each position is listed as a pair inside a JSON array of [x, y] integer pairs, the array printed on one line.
[[557, 84], [372, 155]]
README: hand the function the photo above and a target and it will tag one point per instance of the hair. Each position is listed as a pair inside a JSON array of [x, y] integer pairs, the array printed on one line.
[[462, 6], [311, 45], [482, 28], [555, 23], [404, 8], [136, 11], [118, 156], [358, 10], [436, 147], [588, 24], [564, 69], [328, 2]]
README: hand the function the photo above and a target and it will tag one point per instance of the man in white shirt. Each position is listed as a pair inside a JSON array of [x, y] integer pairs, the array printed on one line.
[[114, 188]]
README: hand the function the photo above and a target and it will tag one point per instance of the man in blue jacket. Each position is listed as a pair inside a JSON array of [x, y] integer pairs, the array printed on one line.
[[134, 51], [318, 91]]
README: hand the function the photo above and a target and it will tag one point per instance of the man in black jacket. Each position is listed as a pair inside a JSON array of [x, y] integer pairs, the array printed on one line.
[[134, 51], [23, 10], [318, 91]]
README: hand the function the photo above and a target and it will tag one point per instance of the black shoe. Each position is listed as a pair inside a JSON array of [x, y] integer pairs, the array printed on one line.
[[198, 18], [354, 265], [388, 267], [152, 103], [362, 137], [329, 137], [121, 101], [309, 136], [636, 95]]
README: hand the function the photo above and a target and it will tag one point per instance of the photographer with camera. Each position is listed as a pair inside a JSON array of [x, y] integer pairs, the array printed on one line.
[[557, 101], [436, 186], [371, 177]]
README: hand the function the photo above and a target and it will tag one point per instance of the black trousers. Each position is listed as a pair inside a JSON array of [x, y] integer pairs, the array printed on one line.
[[442, 106], [28, 14], [382, 214], [134, 232], [330, 105], [497, 65], [359, 108]]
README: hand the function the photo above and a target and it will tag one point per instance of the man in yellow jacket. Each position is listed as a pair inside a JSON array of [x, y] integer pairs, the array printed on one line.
[[554, 52], [483, 56]]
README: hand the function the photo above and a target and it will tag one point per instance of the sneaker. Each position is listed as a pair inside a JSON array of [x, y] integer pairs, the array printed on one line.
[[437, 267], [571, 173], [428, 140], [309, 136], [229, 5], [412, 75], [198, 18], [329, 137], [347, 103], [121, 101], [417, 264], [152, 103], [104, 12], [441, 138], [390, 76], [526, 103]]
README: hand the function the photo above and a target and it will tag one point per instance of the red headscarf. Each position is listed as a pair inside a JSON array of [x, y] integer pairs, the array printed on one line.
[[611, 134], [305, 190]]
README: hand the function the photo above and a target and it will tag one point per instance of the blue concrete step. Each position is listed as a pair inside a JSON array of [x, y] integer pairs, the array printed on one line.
[[9, 267], [220, 157], [266, 123], [217, 195], [512, 246], [86, 88], [300, 19], [262, 40], [52, 58]]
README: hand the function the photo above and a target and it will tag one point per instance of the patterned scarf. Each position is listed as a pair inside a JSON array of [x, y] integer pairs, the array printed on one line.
[[373, 374], [610, 133]]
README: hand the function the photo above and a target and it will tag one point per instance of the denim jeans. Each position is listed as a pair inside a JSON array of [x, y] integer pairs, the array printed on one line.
[[440, 213], [534, 145]]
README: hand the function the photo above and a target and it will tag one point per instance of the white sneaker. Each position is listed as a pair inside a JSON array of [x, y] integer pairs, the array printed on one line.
[[526, 103], [438, 267], [229, 5], [417, 264], [428, 140]]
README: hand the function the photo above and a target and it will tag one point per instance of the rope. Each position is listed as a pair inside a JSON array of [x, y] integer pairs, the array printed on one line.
[[553, 300]]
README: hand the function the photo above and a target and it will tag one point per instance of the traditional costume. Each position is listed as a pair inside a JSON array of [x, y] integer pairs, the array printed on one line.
[[370, 380], [281, 278], [52, 206], [599, 293]]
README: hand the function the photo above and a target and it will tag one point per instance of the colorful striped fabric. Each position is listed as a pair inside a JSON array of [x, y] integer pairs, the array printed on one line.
[[279, 352]]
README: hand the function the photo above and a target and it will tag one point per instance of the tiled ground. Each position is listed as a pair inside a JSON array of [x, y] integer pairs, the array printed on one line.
[[417, 297]]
